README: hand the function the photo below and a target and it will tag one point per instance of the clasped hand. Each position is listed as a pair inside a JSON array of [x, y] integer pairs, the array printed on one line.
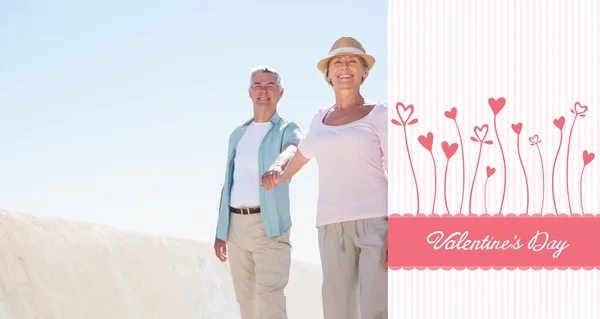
[[271, 178]]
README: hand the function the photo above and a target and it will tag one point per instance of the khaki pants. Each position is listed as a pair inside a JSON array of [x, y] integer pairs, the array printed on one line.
[[260, 267], [355, 283]]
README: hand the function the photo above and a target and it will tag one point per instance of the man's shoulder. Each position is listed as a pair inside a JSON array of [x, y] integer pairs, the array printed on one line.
[[238, 128], [286, 122]]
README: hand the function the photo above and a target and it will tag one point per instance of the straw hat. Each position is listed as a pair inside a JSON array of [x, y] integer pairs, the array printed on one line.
[[346, 45]]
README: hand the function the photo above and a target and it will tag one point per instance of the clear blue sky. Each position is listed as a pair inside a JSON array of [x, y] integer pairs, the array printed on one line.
[[118, 112]]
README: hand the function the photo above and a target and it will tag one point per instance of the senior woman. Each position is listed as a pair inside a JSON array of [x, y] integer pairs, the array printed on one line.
[[349, 142]]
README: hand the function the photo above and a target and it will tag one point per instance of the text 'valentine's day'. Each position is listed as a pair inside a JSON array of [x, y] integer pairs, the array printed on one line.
[[498, 242], [540, 241]]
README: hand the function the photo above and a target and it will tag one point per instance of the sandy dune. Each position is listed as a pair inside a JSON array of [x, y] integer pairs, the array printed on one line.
[[56, 269]]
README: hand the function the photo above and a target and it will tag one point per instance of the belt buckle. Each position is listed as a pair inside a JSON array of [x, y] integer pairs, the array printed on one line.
[[247, 209]]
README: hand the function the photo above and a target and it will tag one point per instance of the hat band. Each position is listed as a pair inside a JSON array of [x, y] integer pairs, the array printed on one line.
[[346, 50]]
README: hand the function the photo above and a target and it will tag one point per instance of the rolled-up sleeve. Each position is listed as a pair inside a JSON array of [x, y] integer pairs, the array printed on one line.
[[292, 134]]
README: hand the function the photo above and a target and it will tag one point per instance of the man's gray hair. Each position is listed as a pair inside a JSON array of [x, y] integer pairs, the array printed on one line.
[[266, 69]]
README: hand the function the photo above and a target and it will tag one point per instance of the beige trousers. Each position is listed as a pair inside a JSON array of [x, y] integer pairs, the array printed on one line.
[[355, 283], [260, 267]]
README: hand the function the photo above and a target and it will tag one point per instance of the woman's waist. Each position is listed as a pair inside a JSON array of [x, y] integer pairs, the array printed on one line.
[[345, 185], [339, 213], [361, 198]]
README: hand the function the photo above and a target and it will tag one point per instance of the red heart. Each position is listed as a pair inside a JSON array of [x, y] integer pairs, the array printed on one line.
[[535, 139], [426, 141], [578, 106], [496, 105], [560, 122], [490, 171], [517, 128], [449, 150], [483, 129], [410, 109], [588, 157], [451, 114]]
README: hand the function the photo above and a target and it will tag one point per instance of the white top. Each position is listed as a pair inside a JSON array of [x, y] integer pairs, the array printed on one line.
[[352, 161], [246, 179]]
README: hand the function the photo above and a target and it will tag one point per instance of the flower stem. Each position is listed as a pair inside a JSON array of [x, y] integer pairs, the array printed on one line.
[[553, 169], [445, 179], [475, 175], [434, 183], [462, 150], [485, 195], [503, 164], [567, 164], [543, 179], [524, 173], [581, 190], [411, 167]]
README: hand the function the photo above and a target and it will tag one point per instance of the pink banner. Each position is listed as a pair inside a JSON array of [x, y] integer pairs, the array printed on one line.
[[498, 242]]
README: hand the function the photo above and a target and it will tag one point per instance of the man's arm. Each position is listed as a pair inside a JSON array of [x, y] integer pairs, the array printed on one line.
[[291, 138], [221, 200], [218, 209], [220, 246], [284, 158], [267, 180]]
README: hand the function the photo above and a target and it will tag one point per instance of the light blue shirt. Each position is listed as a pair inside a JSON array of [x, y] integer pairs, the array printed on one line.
[[274, 204]]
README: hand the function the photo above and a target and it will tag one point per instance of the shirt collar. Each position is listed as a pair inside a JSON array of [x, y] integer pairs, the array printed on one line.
[[274, 120]]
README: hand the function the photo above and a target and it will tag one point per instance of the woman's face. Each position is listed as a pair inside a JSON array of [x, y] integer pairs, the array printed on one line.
[[346, 71]]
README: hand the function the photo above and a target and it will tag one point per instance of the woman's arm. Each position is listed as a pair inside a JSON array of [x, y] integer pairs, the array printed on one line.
[[272, 178], [293, 166]]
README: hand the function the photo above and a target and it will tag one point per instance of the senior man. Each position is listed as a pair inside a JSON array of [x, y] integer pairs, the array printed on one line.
[[253, 228]]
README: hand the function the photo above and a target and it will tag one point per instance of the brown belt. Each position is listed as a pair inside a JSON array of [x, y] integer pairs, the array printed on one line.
[[244, 211]]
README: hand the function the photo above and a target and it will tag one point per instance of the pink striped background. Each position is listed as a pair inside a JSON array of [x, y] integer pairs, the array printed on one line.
[[542, 56]]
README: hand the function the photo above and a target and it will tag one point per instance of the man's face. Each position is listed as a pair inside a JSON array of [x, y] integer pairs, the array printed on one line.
[[265, 93], [346, 71]]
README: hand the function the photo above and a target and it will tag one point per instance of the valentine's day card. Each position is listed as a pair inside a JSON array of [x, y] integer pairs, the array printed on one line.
[[494, 109]]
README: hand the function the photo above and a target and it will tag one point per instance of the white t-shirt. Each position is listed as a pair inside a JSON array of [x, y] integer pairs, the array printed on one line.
[[352, 161], [246, 179]]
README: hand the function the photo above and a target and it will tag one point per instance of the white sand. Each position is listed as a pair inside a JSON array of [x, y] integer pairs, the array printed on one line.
[[56, 269]]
